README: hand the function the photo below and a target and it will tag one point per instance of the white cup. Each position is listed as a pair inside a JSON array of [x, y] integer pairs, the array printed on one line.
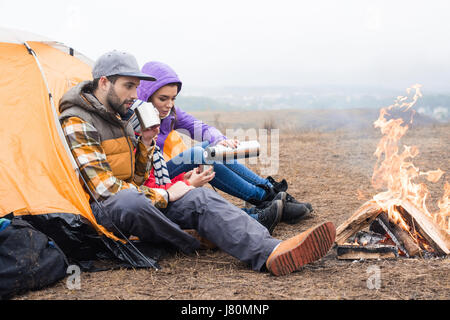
[[147, 115]]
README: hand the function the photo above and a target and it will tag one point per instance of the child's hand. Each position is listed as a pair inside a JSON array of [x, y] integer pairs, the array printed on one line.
[[149, 134], [197, 179]]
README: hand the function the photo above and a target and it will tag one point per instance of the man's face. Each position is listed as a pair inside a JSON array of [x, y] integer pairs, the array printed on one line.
[[122, 94]]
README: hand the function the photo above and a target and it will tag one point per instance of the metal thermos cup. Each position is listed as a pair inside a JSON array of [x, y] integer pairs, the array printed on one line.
[[147, 115]]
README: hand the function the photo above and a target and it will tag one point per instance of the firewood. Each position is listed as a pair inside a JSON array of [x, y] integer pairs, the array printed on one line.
[[355, 252], [362, 218], [436, 237], [406, 241]]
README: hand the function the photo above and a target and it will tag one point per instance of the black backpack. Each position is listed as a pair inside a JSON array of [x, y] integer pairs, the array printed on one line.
[[29, 260]]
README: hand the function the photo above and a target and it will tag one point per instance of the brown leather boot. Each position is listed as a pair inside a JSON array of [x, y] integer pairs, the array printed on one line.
[[304, 248]]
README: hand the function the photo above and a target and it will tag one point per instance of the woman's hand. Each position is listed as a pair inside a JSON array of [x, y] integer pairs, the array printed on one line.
[[199, 179], [232, 143]]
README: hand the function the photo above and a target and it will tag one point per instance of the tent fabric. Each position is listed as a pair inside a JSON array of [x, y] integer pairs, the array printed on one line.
[[35, 170], [19, 37], [38, 180]]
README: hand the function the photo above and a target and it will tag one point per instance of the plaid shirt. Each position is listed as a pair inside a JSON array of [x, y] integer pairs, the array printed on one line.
[[84, 142]]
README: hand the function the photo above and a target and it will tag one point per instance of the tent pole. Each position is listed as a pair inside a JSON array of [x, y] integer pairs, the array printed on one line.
[[55, 115], [150, 261]]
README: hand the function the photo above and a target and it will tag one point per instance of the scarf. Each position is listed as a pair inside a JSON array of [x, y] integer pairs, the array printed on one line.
[[160, 168]]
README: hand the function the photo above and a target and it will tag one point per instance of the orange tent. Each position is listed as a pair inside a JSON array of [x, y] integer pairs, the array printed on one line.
[[38, 175]]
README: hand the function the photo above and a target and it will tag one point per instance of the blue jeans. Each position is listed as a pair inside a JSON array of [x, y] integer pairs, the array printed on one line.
[[231, 177]]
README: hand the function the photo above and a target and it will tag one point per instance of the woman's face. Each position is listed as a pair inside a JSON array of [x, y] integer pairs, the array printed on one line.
[[164, 99]]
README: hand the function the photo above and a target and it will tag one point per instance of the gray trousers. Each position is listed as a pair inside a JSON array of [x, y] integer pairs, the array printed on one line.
[[202, 209]]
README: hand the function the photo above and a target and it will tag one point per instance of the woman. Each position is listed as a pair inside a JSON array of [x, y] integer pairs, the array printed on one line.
[[232, 178]]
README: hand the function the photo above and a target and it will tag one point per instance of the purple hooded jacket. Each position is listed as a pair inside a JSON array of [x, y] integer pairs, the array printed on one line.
[[197, 129]]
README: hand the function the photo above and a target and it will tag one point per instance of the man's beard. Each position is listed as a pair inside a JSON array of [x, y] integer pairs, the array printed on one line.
[[114, 102]]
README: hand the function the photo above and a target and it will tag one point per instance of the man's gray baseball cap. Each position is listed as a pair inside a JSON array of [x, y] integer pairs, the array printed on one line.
[[118, 63]]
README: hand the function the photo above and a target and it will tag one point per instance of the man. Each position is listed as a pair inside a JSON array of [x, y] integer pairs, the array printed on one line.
[[103, 146]]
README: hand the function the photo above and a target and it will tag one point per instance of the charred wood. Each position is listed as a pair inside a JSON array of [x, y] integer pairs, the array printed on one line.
[[355, 252], [362, 218], [437, 238], [401, 237]]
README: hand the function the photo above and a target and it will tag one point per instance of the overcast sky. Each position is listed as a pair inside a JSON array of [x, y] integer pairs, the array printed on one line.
[[393, 43]]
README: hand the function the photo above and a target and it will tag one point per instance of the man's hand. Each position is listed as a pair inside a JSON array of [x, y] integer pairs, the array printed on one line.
[[197, 179], [178, 190], [232, 143]]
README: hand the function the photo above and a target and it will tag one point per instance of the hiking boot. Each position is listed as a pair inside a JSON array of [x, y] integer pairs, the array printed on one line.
[[270, 216], [291, 199], [282, 187], [306, 247], [294, 212], [269, 195], [278, 186], [281, 196]]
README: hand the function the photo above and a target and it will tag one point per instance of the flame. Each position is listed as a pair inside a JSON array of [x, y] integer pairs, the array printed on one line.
[[443, 217], [361, 195], [395, 171]]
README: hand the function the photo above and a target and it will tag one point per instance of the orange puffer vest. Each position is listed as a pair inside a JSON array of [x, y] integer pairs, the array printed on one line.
[[116, 136]]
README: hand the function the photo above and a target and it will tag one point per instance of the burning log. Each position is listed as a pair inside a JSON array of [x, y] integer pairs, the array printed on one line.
[[401, 237], [435, 237], [367, 245], [367, 238], [356, 252], [362, 218]]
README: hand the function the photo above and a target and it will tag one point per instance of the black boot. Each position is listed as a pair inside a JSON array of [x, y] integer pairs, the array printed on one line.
[[278, 186], [270, 194], [294, 212], [271, 215], [283, 186], [291, 199]]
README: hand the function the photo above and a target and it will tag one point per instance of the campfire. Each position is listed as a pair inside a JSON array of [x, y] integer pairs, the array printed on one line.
[[399, 222]]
